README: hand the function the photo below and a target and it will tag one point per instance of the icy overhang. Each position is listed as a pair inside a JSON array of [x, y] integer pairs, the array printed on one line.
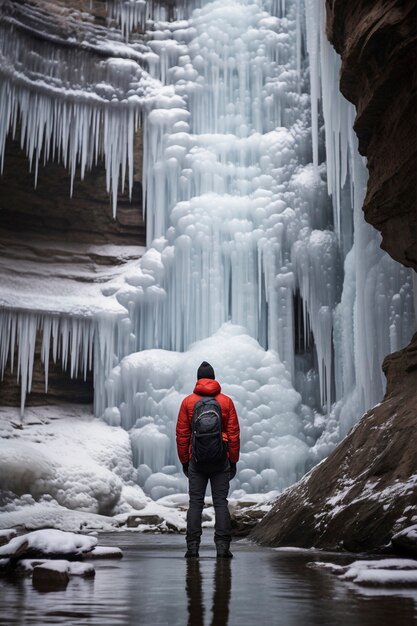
[[50, 277], [73, 90], [62, 294]]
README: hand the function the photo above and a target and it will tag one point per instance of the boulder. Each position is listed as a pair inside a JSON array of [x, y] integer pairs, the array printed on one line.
[[133, 521], [101, 552], [46, 578], [405, 541]]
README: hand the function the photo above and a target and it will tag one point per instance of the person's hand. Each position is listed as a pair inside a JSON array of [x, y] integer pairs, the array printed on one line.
[[232, 470], [185, 468]]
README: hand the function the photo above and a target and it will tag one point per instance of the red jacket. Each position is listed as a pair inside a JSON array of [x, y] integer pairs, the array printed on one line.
[[231, 431]]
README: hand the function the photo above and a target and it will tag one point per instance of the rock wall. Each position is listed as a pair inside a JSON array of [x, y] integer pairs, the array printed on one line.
[[51, 212], [377, 44]]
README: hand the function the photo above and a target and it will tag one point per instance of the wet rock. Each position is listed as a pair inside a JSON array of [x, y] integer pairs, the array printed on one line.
[[405, 542], [245, 517], [6, 535], [47, 578], [50, 543], [14, 550], [133, 521], [52, 575]]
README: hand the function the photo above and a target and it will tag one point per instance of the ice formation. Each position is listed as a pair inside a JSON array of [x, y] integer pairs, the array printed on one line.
[[258, 255]]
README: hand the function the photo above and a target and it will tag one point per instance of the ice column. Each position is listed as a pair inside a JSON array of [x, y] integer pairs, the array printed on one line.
[[376, 315], [229, 190]]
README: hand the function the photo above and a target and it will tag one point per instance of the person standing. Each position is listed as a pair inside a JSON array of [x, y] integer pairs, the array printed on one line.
[[208, 444]]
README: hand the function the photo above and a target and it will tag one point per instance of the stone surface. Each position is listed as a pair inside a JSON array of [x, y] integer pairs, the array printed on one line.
[[49, 210], [6, 535], [133, 521], [366, 490], [405, 542], [45, 578], [377, 43], [245, 517]]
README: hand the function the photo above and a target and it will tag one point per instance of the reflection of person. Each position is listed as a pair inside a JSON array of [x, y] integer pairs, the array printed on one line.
[[222, 588], [219, 473], [221, 597], [194, 590]]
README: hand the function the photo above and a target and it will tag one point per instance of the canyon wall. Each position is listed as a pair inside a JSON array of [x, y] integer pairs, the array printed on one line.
[[377, 45]]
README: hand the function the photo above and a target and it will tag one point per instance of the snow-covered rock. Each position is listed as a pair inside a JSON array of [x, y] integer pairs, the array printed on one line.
[[376, 573], [49, 542], [405, 541]]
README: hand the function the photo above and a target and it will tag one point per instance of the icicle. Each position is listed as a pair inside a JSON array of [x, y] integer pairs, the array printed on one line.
[[76, 117]]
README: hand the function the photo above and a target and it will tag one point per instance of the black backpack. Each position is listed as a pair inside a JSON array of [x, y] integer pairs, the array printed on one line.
[[207, 440]]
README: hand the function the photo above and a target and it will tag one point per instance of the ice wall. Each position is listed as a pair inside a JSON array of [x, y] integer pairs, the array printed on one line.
[[277, 432], [376, 315], [242, 229]]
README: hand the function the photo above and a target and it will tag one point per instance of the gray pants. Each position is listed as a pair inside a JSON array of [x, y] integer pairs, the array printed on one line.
[[197, 484]]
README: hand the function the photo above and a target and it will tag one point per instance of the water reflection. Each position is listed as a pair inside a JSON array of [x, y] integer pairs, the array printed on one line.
[[221, 596], [154, 584]]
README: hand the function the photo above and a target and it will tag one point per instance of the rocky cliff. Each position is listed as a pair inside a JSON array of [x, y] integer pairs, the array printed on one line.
[[366, 490], [377, 45]]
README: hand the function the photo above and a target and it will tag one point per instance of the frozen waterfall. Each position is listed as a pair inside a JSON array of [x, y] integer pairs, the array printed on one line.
[[248, 228], [258, 257]]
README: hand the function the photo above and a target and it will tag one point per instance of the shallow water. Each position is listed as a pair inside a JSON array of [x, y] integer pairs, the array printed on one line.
[[153, 585]]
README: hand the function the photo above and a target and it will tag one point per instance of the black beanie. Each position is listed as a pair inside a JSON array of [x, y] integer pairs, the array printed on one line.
[[205, 371]]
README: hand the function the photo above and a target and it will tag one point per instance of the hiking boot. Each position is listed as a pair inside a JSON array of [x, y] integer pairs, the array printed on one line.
[[192, 550], [223, 551]]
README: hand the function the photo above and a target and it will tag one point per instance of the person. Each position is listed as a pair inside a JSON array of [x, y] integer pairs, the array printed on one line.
[[219, 473]]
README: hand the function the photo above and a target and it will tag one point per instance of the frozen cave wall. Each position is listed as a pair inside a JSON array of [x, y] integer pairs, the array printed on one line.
[[79, 228], [366, 490]]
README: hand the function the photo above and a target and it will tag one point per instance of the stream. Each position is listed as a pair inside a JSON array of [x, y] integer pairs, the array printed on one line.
[[153, 585]]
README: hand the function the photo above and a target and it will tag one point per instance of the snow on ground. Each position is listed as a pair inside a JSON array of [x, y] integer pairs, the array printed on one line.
[[26, 513], [62, 468], [77, 460], [65, 469]]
